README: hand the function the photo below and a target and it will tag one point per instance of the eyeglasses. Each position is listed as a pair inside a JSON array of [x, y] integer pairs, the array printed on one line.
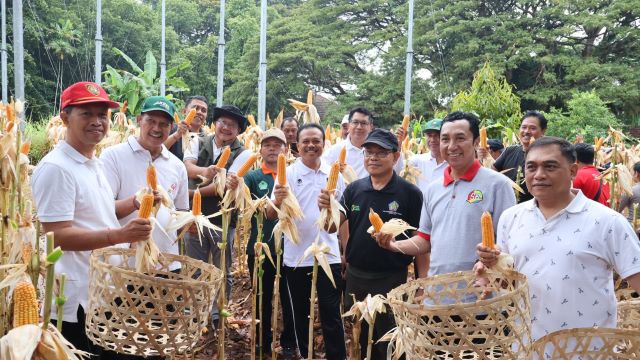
[[360, 123], [231, 125], [377, 155]]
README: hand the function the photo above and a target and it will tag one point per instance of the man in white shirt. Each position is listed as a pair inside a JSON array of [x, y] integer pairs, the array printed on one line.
[[566, 245], [126, 164], [306, 177], [431, 164], [75, 202]]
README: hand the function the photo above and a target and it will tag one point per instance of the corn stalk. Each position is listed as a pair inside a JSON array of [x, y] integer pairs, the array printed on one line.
[[312, 309], [60, 300], [226, 220], [276, 296]]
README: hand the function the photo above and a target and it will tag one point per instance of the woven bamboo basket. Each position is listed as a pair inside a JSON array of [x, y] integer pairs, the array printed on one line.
[[441, 318], [161, 313], [629, 314], [588, 343]]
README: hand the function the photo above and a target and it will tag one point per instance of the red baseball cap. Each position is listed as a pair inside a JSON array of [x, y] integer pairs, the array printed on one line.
[[86, 92]]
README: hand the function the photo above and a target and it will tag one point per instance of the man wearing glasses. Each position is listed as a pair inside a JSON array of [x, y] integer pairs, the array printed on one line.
[[229, 123]]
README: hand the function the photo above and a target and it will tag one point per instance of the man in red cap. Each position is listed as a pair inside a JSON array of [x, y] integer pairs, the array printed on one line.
[[75, 202]]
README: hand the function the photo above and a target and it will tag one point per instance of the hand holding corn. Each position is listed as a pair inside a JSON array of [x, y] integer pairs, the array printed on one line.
[[324, 199], [280, 192], [232, 181], [134, 231]]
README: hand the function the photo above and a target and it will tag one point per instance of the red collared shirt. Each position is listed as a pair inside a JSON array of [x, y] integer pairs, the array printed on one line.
[[586, 180]]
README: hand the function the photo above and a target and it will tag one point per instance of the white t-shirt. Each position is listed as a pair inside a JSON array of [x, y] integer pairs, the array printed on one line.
[[67, 186], [569, 261], [355, 158], [237, 163], [126, 171], [429, 169], [305, 184]]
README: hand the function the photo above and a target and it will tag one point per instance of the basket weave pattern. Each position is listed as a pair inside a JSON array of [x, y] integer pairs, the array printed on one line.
[[160, 313], [588, 343], [440, 318]]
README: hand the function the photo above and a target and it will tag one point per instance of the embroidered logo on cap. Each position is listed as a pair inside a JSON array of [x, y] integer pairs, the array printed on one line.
[[475, 196], [162, 104], [93, 89]]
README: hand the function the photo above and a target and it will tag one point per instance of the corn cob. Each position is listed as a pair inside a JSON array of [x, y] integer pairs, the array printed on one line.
[[27, 251], [375, 220], [123, 108], [25, 305], [405, 144], [224, 157], [598, 144], [196, 207], [333, 176], [25, 147], [152, 177], [405, 122], [247, 165], [251, 119], [343, 155], [176, 117], [190, 116], [487, 230], [282, 169], [483, 138], [11, 115], [146, 205], [9, 125]]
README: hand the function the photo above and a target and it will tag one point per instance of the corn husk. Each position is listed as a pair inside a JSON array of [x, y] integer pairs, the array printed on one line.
[[348, 174], [394, 227], [331, 216], [319, 251], [308, 111], [32, 342]]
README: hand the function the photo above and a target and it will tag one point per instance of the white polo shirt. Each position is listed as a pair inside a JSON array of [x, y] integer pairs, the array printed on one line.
[[237, 163], [429, 169], [305, 184], [67, 186], [569, 261], [355, 158], [126, 171]]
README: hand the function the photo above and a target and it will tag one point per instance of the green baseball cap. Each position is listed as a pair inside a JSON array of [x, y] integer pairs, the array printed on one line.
[[159, 103], [434, 124]]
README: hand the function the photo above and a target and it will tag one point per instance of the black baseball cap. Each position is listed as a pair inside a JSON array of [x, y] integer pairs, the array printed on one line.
[[383, 138], [495, 144]]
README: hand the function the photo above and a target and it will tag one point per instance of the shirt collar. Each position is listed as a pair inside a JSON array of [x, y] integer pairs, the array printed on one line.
[[267, 171], [304, 169], [136, 147], [389, 187], [347, 143], [71, 152], [467, 176], [577, 205]]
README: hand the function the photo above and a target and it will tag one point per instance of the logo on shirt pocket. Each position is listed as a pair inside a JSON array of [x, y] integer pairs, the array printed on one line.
[[475, 197], [263, 185]]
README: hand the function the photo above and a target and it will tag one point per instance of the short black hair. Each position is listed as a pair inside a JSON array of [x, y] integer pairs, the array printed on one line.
[[538, 115], [310, 126], [636, 167], [361, 110], [196, 97], [471, 118], [288, 119], [69, 108], [585, 153], [566, 148]]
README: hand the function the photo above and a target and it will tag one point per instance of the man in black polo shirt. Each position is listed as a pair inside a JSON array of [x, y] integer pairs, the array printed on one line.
[[370, 268]]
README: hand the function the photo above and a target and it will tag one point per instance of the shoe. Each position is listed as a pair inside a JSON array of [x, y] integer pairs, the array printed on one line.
[[290, 353]]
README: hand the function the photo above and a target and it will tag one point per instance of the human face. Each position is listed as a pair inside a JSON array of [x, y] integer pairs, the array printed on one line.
[[529, 128], [310, 144], [201, 113], [290, 129], [457, 145], [270, 149], [359, 127], [227, 130], [433, 142], [86, 125], [154, 129], [548, 174], [378, 160], [344, 130], [495, 154]]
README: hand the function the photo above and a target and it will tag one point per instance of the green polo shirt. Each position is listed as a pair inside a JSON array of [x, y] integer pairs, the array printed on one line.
[[260, 184]]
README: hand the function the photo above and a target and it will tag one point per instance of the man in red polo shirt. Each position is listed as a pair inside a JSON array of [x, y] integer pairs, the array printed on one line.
[[587, 177]]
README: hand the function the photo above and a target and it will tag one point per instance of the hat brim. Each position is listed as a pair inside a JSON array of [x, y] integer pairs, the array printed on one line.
[[284, 141], [242, 121], [430, 129], [381, 144], [165, 111], [95, 100]]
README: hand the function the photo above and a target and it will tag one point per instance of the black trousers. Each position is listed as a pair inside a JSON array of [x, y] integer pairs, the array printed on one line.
[[360, 286], [287, 336], [299, 289]]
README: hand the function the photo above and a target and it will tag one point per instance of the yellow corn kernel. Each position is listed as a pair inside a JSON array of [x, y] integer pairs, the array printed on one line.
[[375, 220], [251, 120], [282, 169], [224, 157], [11, 114], [146, 205], [25, 305], [196, 207], [405, 122], [244, 169], [333, 176], [176, 117], [483, 138], [487, 230], [343, 155], [25, 147], [152, 177], [9, 125], [190, 116], [123, 108]]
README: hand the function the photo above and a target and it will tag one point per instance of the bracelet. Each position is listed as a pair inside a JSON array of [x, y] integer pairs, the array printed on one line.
[[136, 204]]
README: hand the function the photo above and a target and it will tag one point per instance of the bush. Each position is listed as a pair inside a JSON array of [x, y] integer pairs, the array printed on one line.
[[37, 132]]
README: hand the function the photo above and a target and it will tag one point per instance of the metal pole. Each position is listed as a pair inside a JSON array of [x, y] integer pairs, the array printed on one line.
[[3, 54], [18, 53], [163, 61], [409, 69], [98, 77], [262, 76], [220, 81]]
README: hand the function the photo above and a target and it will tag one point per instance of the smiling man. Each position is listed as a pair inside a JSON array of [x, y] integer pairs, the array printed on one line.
[[432, 164], [174, 141]]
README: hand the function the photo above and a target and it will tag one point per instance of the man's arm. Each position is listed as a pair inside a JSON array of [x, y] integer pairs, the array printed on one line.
[[634, 282], [414, 246], [422, 264], [73, 238]]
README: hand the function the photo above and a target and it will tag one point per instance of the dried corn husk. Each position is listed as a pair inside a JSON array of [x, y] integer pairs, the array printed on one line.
[[31, 342], [394, 227]]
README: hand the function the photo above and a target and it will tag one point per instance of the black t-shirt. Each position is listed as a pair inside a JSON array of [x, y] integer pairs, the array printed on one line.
[[399, 199], [512, 159]]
